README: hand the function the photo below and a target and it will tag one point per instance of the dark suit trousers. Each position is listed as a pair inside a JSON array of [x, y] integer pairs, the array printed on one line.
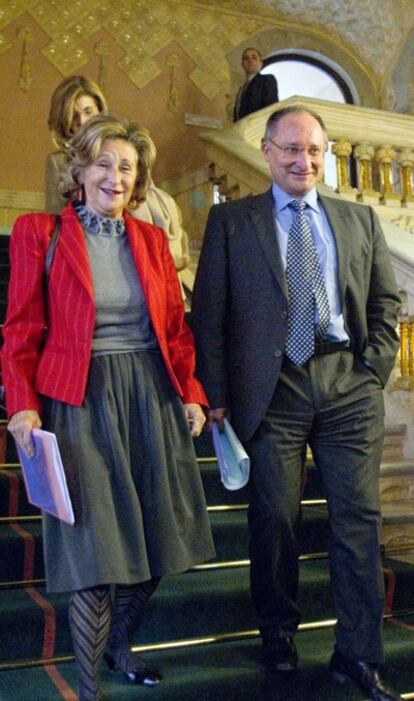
[[335, 405]]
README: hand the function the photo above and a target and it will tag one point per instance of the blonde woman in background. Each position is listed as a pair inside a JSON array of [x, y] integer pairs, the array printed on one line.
[[75, 100], [160, 209]]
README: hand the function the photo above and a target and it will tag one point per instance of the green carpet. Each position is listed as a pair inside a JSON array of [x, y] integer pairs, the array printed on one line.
[[195, 604], [230, 672], [185, 606]]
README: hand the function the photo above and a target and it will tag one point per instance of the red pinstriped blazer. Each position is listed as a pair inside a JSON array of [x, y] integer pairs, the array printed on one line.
[[57, 364]]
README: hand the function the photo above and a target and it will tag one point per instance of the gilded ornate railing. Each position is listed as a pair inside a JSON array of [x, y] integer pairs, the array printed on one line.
[[374, 149]]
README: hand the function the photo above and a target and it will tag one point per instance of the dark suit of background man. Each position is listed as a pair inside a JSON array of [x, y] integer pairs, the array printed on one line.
[[245, 325], [258, 90]]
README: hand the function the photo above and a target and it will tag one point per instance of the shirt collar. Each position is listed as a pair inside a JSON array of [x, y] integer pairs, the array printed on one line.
[[282, 198]]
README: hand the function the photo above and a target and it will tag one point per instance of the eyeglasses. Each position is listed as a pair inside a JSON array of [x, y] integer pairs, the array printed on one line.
[[294, 151]]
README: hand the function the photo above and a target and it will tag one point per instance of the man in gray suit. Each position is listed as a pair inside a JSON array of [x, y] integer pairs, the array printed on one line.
[[294, 314]]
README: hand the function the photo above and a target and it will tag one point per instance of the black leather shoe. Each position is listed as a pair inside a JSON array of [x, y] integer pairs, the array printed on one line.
[[141, 673], [365, 675], [280, 654]]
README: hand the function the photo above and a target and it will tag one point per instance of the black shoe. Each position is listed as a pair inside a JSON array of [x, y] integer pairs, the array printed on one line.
[[280, 654], [365, 675], [140, 674]]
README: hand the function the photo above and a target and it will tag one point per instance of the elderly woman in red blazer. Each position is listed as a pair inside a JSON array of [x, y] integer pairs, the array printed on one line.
[[107, 363]]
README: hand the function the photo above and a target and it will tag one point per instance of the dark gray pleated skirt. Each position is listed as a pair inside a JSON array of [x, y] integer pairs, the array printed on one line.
[[129, 460]]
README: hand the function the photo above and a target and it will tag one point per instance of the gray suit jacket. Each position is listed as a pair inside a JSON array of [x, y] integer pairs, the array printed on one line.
[[240, 302]]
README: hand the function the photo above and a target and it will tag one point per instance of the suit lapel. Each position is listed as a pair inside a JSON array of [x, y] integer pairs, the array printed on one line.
[[336, 214], [72, 247], [251, 86], [139, 252], [263, 219]]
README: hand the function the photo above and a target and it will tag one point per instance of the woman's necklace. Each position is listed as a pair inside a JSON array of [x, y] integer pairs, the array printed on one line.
[[106, 226]]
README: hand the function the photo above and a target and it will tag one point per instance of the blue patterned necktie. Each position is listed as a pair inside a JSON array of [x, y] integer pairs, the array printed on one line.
[[306, 288]]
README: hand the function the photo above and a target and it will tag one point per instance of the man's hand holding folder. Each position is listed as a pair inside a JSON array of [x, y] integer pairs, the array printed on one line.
[[233, 461]]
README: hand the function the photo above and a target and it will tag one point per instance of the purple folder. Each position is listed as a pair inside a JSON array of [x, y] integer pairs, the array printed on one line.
[[45, 478]]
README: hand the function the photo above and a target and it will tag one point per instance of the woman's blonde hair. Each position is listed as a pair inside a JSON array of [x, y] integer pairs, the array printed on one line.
[[63, 102], [85, 147]]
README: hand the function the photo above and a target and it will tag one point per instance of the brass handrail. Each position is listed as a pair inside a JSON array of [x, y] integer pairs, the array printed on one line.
[[196, 642]]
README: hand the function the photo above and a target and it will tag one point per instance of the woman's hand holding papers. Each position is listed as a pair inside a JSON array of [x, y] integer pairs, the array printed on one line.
[[195, 418], [21, 425]]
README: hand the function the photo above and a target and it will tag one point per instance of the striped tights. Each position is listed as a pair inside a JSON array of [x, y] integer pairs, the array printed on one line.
[[94, 628]]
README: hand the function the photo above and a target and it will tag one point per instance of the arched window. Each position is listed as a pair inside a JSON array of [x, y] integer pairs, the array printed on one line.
[[310, 76], [307, 75]]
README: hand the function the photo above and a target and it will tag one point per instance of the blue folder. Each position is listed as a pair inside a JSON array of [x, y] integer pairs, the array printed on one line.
[[45, 478], [233, 461]]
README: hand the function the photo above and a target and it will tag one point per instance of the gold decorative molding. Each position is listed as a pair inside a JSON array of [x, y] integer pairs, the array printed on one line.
[[207, 32], [173, 61], [296, 19], [4, 45], [102, 50], [141, 29], [25, 78]]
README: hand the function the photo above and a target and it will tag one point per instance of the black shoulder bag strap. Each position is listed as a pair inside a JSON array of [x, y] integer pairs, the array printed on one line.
[[52, 247]]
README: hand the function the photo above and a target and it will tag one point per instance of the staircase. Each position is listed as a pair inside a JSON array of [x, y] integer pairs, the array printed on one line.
[[200, 626]]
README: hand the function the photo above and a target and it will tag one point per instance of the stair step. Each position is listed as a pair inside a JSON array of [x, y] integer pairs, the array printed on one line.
[[397, 484], [12, 489], [13, 501], [230, 533], [195, 604], [395, 428], [202, 603], [21, 542], [190, 605], [214, 489], [397, 468], [204, 443], [229, 671], [398, 513], [21, 555]]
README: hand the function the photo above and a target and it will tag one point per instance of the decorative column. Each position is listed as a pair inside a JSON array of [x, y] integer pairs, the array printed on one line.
[[364, 154], [411, 352], [405, 160], [404, 348], [385, 155], [342, 149], [406, 352]]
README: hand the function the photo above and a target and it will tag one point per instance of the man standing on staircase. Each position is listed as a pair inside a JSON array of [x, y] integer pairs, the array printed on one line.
[[257, 90], [294, 314]]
